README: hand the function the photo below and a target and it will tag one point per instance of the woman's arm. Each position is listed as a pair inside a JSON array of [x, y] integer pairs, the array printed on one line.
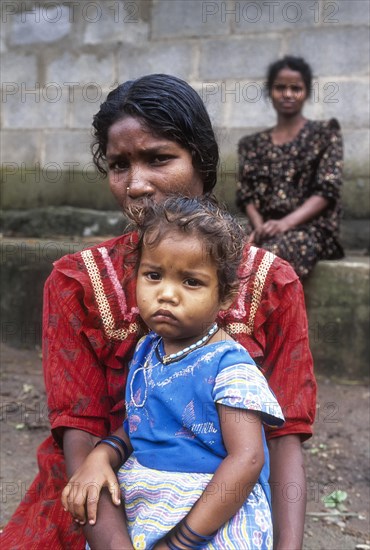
[[288, 490], [236, 476], [288, 366], [254, 216], [87, 475], [309, 210], [75, 387], [249, 162], [256, 221]]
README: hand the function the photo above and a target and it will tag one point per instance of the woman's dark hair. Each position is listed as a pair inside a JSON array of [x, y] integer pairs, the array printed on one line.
[[170, 108], [294, 64], [223, 238]]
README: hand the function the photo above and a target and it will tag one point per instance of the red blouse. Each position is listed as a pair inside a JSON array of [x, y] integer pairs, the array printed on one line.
[[90, 311]]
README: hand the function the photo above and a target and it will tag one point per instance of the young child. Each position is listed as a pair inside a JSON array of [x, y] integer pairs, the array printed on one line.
[[198, 473]]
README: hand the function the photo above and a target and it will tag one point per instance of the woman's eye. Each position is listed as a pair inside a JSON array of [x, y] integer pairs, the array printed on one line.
[[297, 89], [118, 162], [118, 166], [279, 87], [160, 159]]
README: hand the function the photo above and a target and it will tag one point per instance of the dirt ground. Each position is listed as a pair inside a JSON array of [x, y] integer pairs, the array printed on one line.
[[337, 457]]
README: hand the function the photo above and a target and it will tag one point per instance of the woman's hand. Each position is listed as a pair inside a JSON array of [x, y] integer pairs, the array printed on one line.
[[268, 230], [272, 228], [81, 495], [309, 210], [256, 220]]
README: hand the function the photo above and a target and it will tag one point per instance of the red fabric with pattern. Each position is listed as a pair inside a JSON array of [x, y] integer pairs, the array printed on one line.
[[85, 381]]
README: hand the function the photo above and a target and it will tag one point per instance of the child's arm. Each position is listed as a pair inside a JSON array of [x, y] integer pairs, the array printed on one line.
[[81, 495], [234, 479]]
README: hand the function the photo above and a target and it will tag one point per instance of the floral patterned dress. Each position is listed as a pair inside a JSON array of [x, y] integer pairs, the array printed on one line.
[[278, 179], [175, 431]]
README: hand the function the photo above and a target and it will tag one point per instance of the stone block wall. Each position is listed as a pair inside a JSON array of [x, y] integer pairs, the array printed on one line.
[[60, 59]]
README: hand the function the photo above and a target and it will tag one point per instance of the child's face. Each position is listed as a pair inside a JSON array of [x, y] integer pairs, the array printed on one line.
[[177, 290]]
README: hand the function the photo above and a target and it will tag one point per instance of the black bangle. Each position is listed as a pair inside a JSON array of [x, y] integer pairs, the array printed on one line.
[[171, 545], [114, 446], [204, 538], [123, 445], [179, 535]]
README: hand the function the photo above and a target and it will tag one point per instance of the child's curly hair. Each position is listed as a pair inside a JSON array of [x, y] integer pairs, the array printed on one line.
[[203, 217]]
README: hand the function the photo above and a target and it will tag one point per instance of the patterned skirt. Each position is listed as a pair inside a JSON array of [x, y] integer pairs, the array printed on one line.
[[155, 501]]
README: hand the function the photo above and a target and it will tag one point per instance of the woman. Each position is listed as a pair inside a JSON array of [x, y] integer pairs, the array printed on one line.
[[152, 136], [291, 174]]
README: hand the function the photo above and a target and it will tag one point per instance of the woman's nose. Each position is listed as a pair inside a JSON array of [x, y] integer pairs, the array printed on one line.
[[288, 92], [138, 184]]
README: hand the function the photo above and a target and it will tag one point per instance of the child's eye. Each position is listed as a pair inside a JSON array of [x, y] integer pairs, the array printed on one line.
[[192, 282], [153, 275]]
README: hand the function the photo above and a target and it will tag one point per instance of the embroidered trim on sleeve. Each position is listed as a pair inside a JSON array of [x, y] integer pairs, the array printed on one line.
[[258, 286], [102, 300]]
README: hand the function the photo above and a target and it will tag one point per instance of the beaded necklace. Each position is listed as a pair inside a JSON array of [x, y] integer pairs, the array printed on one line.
[[166, 360]]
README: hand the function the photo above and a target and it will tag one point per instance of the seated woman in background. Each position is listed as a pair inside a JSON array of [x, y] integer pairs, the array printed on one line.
[[290, 175]]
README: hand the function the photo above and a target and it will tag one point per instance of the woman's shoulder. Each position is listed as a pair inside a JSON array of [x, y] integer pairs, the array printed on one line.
[[116, 247], [99, 279], [263, 262], [107, 259], [325, 127], [268, 285], [251, 140]]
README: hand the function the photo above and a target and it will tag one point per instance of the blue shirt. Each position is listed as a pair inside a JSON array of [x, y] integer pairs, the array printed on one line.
[[173, 421]]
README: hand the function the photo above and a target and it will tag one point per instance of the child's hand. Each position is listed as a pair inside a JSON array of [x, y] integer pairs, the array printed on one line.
[[80, 497]]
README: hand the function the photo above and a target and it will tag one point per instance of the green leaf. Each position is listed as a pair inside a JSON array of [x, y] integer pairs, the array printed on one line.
[[335, 499]]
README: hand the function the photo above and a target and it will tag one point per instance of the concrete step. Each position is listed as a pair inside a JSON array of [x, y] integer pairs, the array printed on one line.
[[337, 297], [85, 222], [63, 221]]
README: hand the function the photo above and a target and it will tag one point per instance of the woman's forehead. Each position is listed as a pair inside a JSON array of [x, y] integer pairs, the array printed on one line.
[[288, 75], [134, 126]]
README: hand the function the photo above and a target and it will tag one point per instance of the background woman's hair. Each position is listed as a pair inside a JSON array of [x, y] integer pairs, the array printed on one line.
[[203, 217], [294, 64], [168, 107]]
